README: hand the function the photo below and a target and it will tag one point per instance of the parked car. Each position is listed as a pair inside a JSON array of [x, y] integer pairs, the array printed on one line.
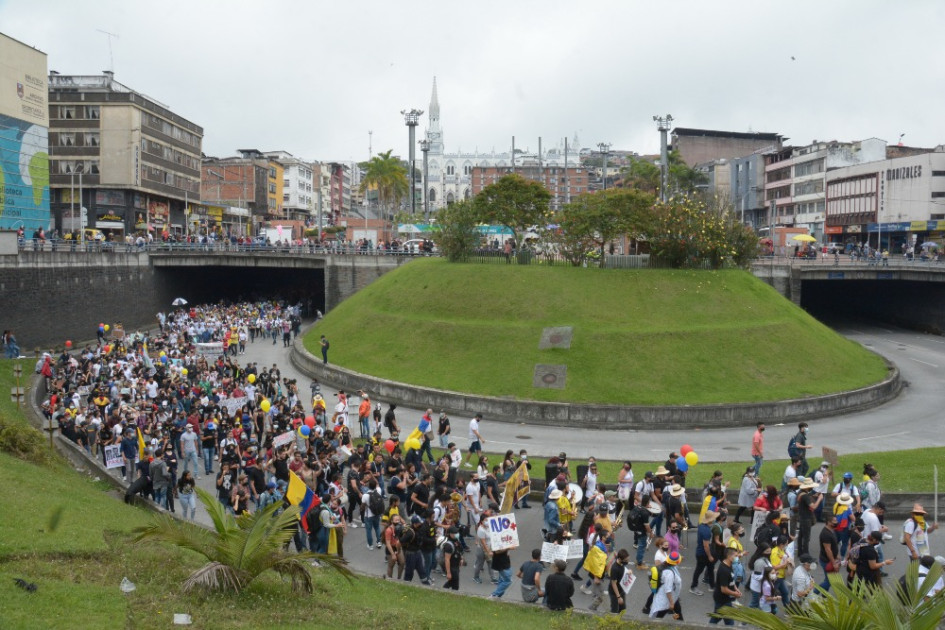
[[91, 234]]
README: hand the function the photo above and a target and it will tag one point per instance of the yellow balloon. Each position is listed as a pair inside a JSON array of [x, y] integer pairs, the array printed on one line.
[[264, 405], [691, 458], [107, 327], [251, 378], [163, 354], [184, 371], [412, 443]]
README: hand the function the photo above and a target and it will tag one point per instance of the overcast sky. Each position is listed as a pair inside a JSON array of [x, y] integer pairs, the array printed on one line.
[[313, 77]]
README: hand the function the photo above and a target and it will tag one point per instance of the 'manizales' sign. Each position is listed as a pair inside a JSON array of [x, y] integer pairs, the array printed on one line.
[[904, 172]]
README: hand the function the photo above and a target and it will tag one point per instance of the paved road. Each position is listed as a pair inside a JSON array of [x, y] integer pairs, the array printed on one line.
[[920, 357]]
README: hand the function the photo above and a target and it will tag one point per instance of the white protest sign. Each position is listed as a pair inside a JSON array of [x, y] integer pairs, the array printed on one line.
[[626, 583], [283, 439], [551, 552], [575, 550], [213, 348], [234, 404], [113, 458], [757, 520], [503, 532]]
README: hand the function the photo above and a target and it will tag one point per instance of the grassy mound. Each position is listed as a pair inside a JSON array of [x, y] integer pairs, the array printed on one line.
[[652, 337]]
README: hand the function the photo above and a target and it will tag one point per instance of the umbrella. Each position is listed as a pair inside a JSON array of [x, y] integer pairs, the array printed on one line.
[[807, 238], [930, 245], [179, 302]]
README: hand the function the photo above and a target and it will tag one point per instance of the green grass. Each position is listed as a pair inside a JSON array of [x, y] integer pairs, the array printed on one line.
[[651, 337]]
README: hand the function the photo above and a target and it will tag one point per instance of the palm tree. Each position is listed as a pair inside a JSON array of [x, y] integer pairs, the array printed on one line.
[[388, 176], [239, 549], [858, 607]]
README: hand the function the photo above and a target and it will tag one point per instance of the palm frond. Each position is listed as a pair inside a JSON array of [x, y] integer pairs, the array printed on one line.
[[217, 576], [223, 522], [184, 534], [754, 616], [294, 568]]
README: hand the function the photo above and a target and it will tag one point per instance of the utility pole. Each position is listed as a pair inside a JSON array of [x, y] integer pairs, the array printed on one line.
[[425, 149], [412, 119], [567, 176], [663, 123], [513, 155]]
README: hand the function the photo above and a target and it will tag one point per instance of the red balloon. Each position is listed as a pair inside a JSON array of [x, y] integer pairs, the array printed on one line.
[[310, 422], [108, 349], [68, 343], [685, 450], [389, 446]]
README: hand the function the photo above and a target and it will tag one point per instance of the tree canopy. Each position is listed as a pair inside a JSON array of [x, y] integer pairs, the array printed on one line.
[[514, 202], [595, 219], [387, 175], [456, 232]]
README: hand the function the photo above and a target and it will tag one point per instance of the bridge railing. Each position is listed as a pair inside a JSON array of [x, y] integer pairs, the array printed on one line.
[[220, 247], [899, 261]]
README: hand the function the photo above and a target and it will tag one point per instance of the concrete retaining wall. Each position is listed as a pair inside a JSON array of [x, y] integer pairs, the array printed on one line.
[[599, 416]]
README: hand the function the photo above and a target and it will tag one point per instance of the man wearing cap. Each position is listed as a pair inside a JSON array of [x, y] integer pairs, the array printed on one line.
[[666, 597], [475, 440], [915, 533]]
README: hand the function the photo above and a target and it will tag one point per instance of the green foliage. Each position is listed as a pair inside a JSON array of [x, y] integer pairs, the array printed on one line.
[[515, 202], [598, 218], [686, 234], [680, 337], [387, 175], [684, 180], [455, 231], [241, 548], [858, 607], [642, 175]]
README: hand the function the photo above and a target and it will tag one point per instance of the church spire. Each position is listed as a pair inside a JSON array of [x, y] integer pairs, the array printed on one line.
[[434, 108]]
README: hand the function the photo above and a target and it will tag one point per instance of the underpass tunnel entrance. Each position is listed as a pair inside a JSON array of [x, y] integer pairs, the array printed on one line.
[[910, 304], [199, 285]]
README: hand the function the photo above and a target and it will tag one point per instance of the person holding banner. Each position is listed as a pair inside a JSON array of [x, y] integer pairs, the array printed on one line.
[[618, 573]]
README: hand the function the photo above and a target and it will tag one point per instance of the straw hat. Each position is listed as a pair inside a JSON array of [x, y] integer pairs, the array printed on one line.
[[554, 495], [918, 509], [676, 490], [808, 484], [794, 482], [845, 498], [709, 517], [661, 471]]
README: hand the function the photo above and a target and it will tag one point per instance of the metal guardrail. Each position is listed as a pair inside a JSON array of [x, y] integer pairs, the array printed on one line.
[[36, 245], [847, 261]]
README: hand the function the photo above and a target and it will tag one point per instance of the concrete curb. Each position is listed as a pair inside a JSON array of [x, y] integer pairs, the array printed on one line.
[[594, 416]]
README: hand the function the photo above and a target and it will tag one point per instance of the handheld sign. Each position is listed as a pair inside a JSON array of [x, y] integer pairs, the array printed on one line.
[[503, 532]]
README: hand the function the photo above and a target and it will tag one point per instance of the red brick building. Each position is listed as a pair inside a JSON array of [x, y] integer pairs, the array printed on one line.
[[564, 184]]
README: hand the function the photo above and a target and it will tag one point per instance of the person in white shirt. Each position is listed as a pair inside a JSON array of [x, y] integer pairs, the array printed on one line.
[[871, 524], [472, 502], [475, 440]]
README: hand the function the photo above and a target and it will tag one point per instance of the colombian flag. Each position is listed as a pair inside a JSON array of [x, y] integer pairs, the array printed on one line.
[[301, 495], [141, 445]]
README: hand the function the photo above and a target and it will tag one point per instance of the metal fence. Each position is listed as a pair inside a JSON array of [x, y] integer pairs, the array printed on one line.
[[37, 245]]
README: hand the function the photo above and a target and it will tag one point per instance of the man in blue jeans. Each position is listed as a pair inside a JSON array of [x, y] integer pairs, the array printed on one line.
[[428, 547], [501, 564], [829, 550], [209, 443]]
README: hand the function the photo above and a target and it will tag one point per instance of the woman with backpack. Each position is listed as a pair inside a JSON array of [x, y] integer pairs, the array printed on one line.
[[735, 542], [759, 564]]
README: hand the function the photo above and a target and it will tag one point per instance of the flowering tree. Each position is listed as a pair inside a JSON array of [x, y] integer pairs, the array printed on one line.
[[686, 233]]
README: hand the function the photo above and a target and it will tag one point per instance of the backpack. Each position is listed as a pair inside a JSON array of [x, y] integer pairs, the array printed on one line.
[[855, 550], [792, 449], [656, 579], [902, 531], [375, 503], [314, 520]]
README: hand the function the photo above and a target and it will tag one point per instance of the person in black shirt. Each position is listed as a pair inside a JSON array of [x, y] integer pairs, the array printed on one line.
[[725, 589], [806, 505], [617, 602], [868, 565], [829, 550], [559, 588]]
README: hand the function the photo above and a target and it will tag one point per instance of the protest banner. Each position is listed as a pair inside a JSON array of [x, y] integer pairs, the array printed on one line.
[[628, 580], [551, 552], [757, 520], [830, 456], [282, 439], [113, 457], [234, 404], [516, 488], [503, 532], [575, 550]]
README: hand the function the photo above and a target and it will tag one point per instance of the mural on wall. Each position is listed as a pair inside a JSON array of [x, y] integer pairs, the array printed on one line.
[[24, 175]]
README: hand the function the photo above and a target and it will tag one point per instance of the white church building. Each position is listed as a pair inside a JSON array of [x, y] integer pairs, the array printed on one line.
[[450, 174]]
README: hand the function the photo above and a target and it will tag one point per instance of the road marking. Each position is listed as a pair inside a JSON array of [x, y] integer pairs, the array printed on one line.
[[924, 363], [876, 437]]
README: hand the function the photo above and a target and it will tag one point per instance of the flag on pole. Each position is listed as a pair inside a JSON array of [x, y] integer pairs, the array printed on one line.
[[145, 358], [301, 495], [516, 488], [141, 445]]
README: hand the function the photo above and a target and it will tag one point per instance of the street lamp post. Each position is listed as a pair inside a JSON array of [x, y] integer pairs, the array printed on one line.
[[604, 149], [663, 123], [425, 148], [412, 119]]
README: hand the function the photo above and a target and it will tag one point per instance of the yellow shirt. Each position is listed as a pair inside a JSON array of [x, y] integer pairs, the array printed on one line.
[[564, 510], [777, 557]]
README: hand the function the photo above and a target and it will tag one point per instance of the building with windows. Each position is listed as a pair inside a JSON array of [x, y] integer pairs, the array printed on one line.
[[249, 185], [559, 181], [24, 122], [698, 146], [795, 179], [126, 158], [450, 176], [298, 194], [894, 204]]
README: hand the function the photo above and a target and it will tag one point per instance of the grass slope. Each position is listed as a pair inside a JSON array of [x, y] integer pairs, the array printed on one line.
[[651, 337]]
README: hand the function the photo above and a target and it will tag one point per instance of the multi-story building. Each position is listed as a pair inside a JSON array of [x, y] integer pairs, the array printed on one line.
[[894, 204], [698, 146], [563, 184], [795, 179], [252, 182], [298, 198], [747, 190], [131, 161], [450, 174], [339, 189], [24, 122]]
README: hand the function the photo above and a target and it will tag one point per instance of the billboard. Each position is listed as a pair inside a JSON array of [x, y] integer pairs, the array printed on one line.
[[24, 137]]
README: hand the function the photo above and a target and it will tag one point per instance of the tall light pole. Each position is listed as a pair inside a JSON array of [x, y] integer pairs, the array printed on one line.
[[425, 148], [604, 149], [663, 123], [412, 119]]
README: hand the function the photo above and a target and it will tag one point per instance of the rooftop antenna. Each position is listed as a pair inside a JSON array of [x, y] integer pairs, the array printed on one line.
[[370, 149], [111, 57]]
